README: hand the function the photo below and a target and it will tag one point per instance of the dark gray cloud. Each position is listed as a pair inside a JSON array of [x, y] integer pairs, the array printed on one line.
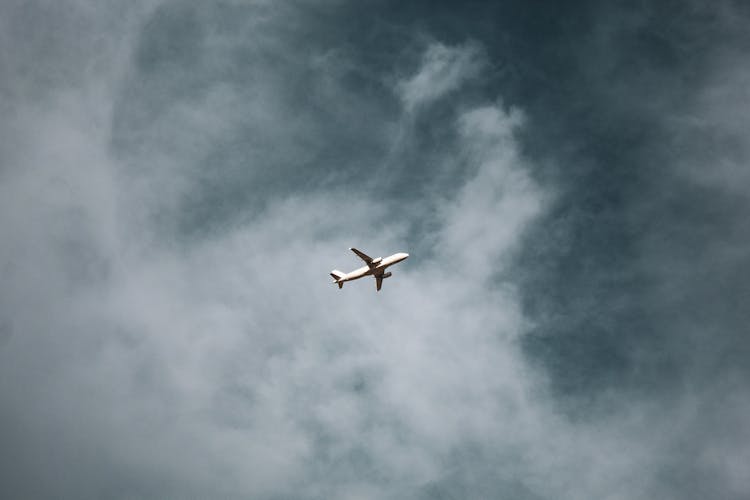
[[178, 179]]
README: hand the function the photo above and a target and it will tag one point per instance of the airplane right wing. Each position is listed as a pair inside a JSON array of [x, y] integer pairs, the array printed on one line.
[[362, 256], [378, 282]]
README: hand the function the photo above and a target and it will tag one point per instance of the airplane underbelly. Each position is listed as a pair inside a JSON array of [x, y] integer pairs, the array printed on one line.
[[380, 269]]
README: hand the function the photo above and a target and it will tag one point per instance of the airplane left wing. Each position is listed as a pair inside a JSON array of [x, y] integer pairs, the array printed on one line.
[[362, 256], [378, 282]]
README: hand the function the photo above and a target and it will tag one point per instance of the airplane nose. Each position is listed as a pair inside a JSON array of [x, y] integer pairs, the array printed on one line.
[[406, 255]]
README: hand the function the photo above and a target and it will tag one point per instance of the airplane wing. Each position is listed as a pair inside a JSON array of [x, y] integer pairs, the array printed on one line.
[[362, 256], [378, 281]]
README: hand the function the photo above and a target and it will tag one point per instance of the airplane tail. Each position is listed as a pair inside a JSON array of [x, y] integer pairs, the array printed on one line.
[[337, 275]]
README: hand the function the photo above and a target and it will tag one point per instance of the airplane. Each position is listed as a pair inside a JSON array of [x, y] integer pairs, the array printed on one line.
[[374, 267]]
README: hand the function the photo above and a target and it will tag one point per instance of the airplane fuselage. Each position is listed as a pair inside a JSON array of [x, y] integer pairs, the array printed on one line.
[[376, 269]]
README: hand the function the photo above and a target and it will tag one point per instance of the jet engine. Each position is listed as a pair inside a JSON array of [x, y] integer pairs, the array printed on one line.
[[376, 261], [387, 275]]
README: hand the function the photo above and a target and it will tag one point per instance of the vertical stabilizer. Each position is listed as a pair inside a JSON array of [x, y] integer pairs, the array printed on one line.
[[338, 277]]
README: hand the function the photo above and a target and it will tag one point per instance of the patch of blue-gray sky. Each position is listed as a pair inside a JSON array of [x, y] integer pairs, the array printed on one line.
[[570, 180]]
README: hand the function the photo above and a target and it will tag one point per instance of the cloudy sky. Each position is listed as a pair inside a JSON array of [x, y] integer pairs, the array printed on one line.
[[571, 180]]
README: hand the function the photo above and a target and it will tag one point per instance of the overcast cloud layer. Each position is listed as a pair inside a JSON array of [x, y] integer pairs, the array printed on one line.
[[571, 182]]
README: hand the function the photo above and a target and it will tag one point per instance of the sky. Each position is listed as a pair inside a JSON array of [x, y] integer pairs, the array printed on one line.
[[571, 182]]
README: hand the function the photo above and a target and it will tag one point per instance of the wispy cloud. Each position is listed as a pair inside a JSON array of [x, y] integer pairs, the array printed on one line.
[[443, 70]]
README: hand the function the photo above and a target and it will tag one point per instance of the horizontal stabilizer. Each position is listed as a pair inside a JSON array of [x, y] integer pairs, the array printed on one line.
[[337, 275]]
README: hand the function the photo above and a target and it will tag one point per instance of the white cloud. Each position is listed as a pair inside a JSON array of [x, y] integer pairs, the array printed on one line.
[[223, 364], [230, 365]]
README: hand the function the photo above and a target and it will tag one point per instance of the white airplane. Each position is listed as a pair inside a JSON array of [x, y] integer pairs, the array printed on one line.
[[374, 267]]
